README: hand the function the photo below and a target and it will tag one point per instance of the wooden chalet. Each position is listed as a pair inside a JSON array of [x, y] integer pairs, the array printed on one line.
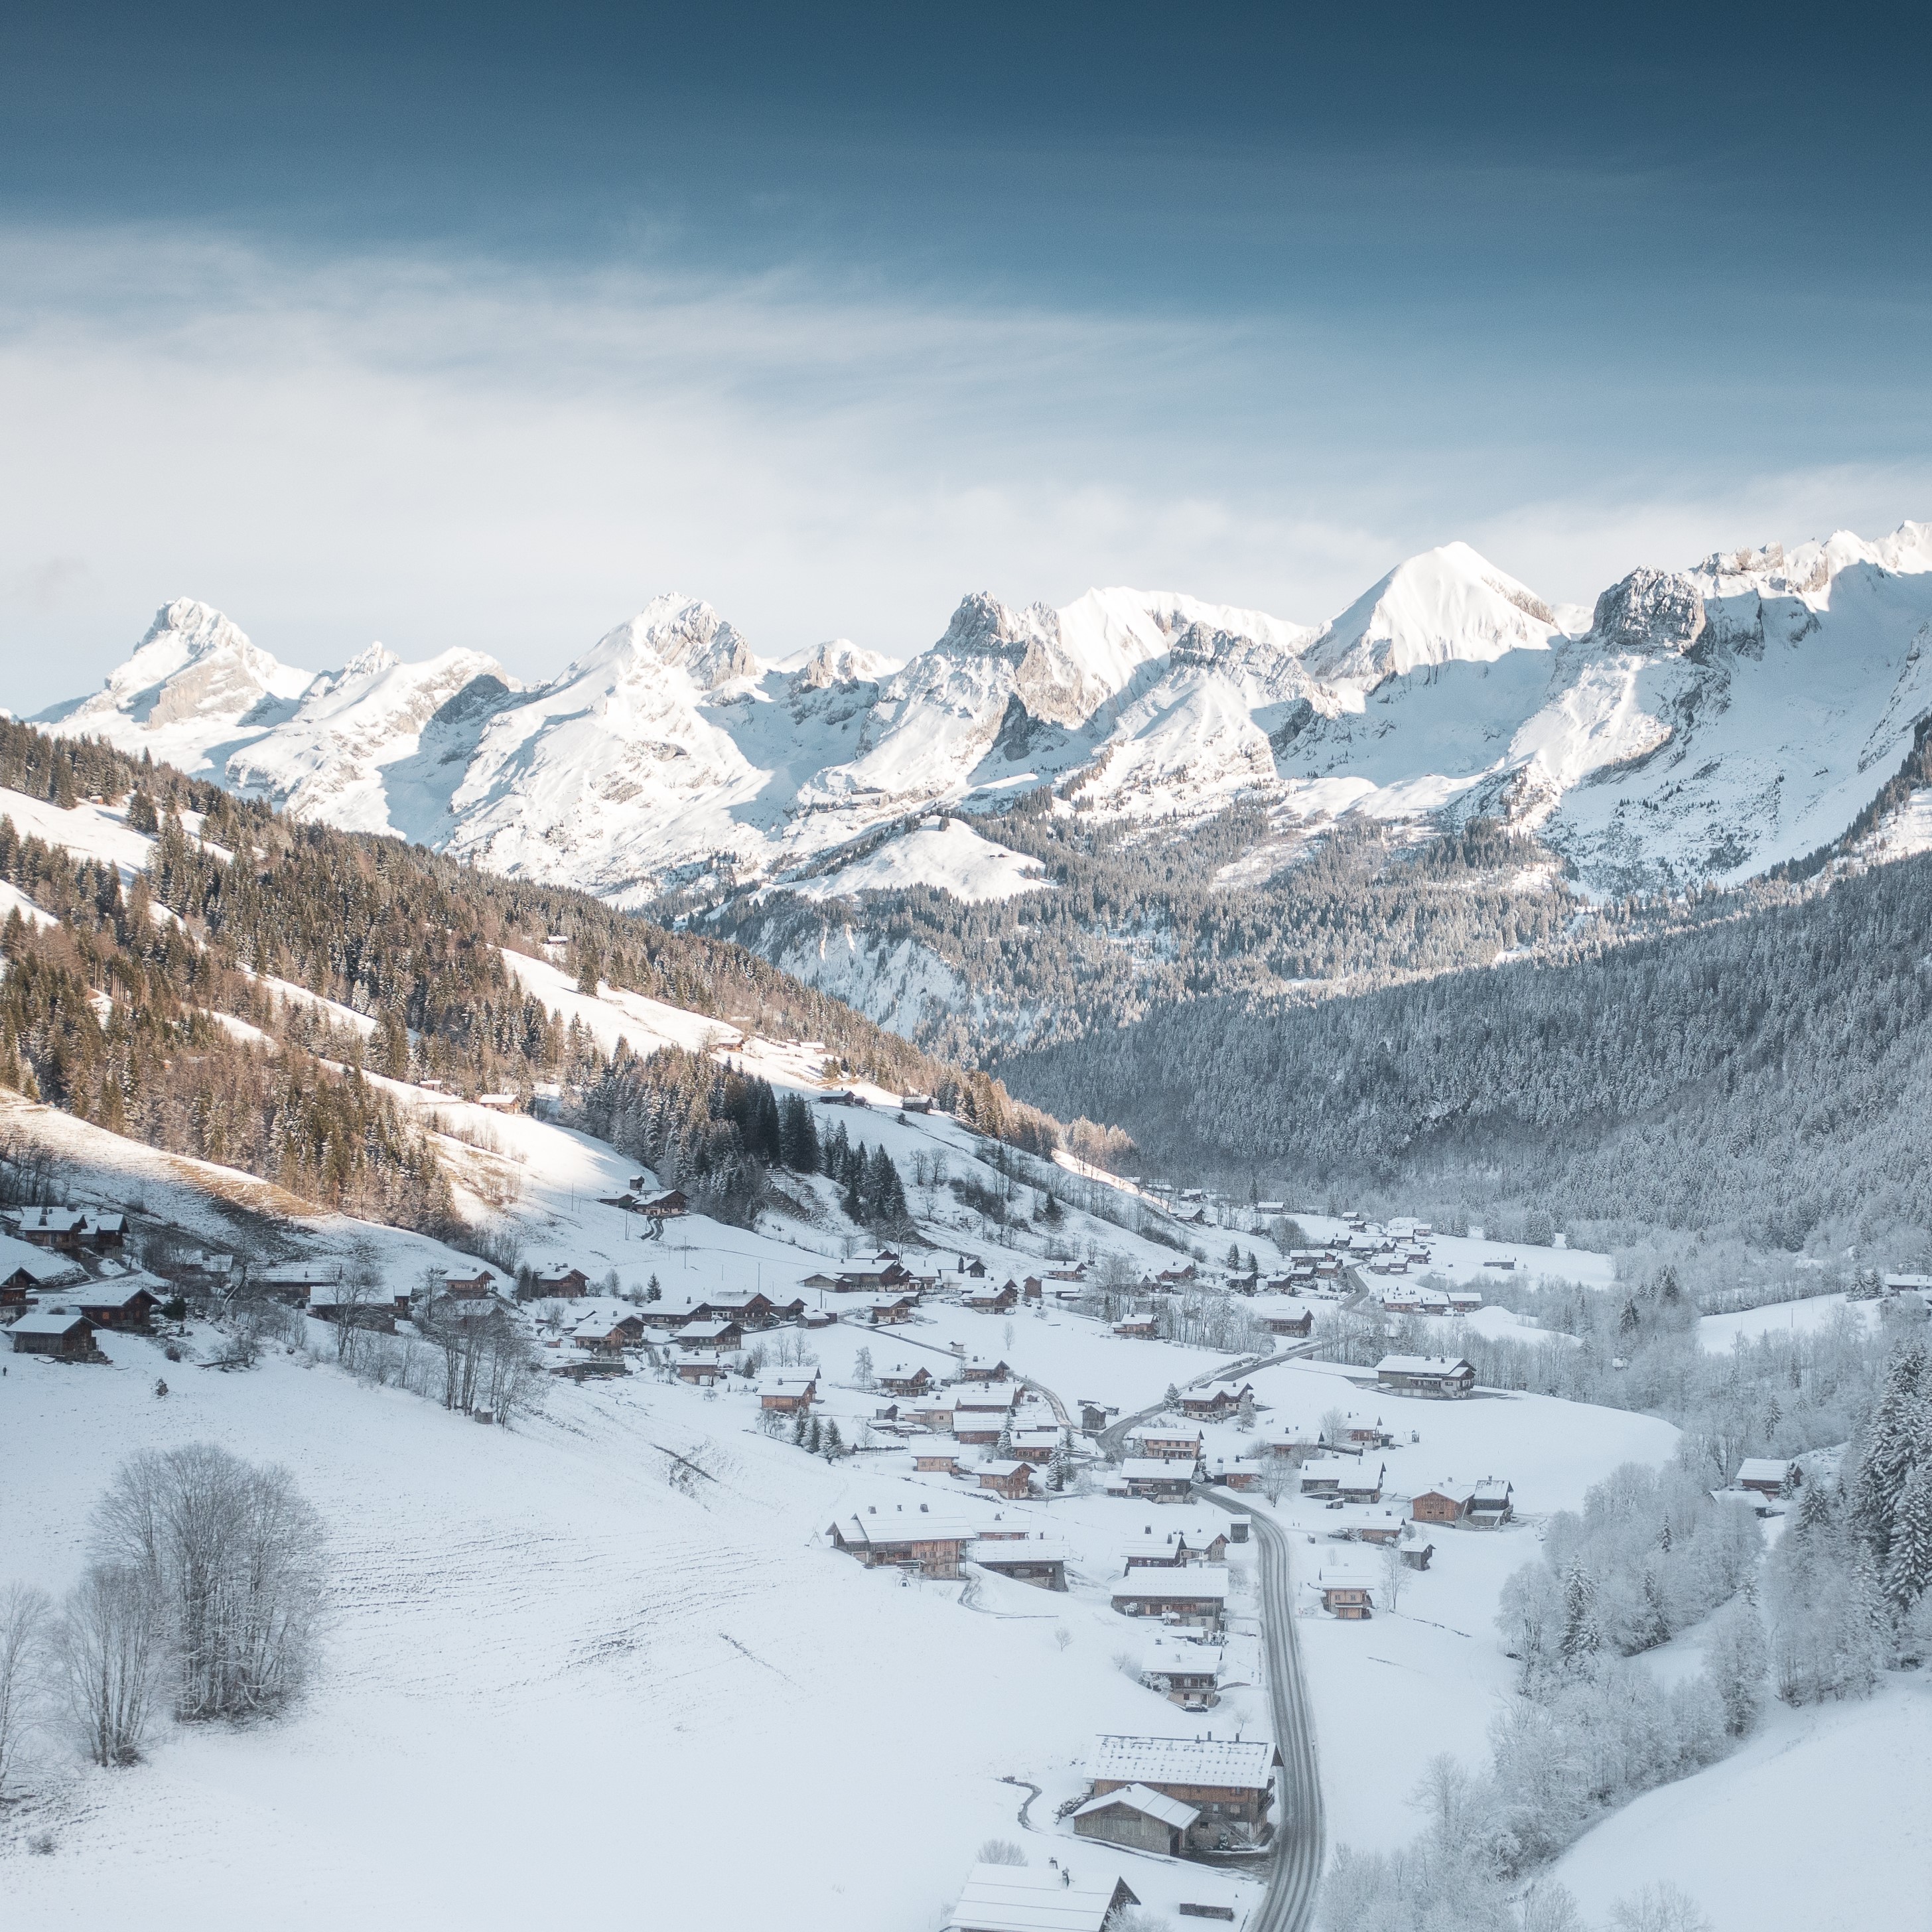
[[1022, 1559], [888, 1311], [1434, 1375], [1768, 1475], [664, 1206], [905, 1540], [1323, 1476], [1195, 1598], [1165, 1443], [1346, 1594], [900, 1380], [468, 1285], [1138, 1817], [105, 1231], [1037, 1898], [976, 1429], [786, 1391], [1362, 1484], [1186, 1673], [1289, 1321], [1138, 1328], [978, 1369], [603, 1336], [1011, 1479], [65, 1333], [1215, 1404], [63, 1229], [1036, 1445], [701, 1370], [988, 1398], [118, 1301], [1234, 1778], [1032, 1290], [721, 1338], [1176, 1549], [1000, 1300], [1484, 1505], [930, 1460], [1151, 1479], [566, 1282]]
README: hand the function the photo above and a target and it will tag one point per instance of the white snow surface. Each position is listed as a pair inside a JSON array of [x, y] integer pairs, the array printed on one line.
[[949, 857]]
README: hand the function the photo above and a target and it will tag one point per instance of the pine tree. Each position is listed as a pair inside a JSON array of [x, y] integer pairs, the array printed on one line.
[[831, 1444], [1909, 1568], [862, 1369], [1736, 1659], [1583, 1637]]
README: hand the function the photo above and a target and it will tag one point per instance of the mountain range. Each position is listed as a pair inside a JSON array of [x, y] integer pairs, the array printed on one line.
[[1692, 726]]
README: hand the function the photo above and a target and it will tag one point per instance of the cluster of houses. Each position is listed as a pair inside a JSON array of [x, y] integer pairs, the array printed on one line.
[[61, 1282]]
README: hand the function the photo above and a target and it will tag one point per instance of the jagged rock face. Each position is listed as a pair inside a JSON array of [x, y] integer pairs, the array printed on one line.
[[684, 632], [984, 627], [839, 661], [1653, 610]]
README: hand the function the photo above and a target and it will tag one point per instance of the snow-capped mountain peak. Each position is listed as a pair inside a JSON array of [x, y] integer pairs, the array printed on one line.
[[685, 633], [194, 678], [1447, 605], [837, 660]]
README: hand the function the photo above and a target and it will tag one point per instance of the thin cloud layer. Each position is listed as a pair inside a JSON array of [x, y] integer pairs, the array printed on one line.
[[439, 451]]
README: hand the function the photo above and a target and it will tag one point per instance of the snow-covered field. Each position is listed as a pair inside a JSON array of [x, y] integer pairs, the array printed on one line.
[[1719, 1333], [1822, 1821]]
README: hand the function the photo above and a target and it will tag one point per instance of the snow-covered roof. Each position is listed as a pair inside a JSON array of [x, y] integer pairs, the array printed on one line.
[[1003, 1469], [1030, 1898], [47, 1321], [1000, 1551], [1223, 1761], [1207, 1585], [40, 1266], [1166, 1655], [903, 1526], [1141, 1798], [1423, 1365], [118, 1292], [1143, 1468], [1764, 1469], [705, 1331]]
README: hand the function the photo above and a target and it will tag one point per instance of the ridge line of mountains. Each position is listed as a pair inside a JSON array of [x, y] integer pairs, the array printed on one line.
[[1693, 726]]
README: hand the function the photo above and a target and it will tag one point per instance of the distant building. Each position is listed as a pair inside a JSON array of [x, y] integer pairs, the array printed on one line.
[[65, 1333], [1228, 1783], [1037, 1898], [905, 1540], [1768, 1475], [1438, 1375], [1023, 1559], [1194, 1597]]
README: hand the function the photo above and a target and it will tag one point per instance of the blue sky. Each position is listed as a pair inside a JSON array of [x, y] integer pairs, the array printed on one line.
[[480, 325]]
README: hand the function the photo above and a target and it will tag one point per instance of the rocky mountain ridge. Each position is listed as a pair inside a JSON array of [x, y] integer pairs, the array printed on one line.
[[1701, 723]]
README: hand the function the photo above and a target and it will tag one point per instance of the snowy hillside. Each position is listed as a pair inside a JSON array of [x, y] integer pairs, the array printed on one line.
[[1704, 723]]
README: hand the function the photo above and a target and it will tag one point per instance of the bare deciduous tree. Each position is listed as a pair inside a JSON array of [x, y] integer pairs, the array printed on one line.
[[107, 1662], [24, 1616], [231, 1558]]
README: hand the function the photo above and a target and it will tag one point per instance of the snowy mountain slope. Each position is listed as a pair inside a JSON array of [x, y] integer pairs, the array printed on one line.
[[328, 761], [1707, 722]]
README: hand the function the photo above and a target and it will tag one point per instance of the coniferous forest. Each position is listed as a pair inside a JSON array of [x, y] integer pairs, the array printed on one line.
[[151, 1007]]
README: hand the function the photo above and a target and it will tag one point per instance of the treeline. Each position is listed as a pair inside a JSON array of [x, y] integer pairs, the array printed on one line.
[[1763, 1076]]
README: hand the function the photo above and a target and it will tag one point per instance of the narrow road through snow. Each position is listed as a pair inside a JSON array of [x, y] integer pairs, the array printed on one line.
[[1296, 1877]]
